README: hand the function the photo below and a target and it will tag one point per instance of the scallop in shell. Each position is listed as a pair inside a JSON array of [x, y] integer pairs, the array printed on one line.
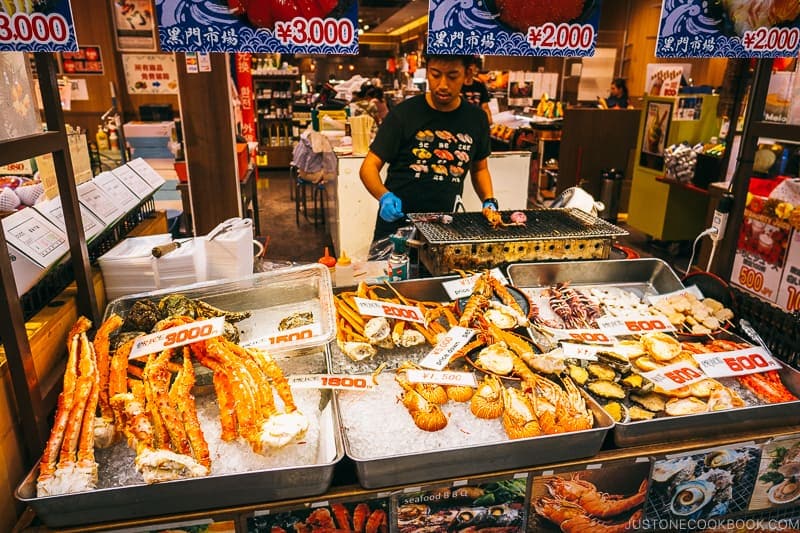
[[663, 471], [503, 316], [496, 358], [661, 346], [721, 458], [691, 496], [685, 406]]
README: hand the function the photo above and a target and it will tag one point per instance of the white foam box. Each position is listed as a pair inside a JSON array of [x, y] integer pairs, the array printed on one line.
[[34, 244], [148, 129]]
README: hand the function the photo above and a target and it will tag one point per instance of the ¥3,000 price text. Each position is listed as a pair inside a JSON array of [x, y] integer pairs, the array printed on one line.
[[33, 27], [563, 36], [771, 39], [315, 31]]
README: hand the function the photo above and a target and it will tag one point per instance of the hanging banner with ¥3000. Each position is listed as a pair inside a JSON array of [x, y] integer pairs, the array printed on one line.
[[35, 26], [566, 28], [268, 26], [729, 28]]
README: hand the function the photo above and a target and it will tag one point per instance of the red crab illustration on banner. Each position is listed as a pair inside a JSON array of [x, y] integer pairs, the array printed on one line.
[[265, 13]]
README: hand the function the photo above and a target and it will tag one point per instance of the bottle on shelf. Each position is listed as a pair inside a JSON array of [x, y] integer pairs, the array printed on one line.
[[102, 138], [344, 271], [113, 138]]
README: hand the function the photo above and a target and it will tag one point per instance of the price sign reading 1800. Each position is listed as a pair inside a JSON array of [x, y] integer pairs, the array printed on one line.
[[331, 381], [27, 28], [316, 31], [562, 36]]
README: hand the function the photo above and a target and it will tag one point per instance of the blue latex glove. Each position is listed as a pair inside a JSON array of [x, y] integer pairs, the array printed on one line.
[[391, 207], [491, 203]]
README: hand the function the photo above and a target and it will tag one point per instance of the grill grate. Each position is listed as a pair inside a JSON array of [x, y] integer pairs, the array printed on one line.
[[543, 224]]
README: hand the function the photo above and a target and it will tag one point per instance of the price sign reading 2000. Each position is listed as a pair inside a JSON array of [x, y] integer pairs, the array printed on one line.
[[562, 36], [316, 31], [27, 28]]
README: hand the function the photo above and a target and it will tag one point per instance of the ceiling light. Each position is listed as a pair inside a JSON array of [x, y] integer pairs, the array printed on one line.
[[340, 67], [366, 27], [360, 31], [351, 67], [360, 21]]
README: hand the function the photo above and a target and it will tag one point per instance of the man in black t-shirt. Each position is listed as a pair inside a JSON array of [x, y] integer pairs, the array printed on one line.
[[474, 91], [431, 142]]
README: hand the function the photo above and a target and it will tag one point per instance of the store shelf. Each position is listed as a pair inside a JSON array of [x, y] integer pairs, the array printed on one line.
[[774, 130], [280, 100], [30, 146], [681, 185]]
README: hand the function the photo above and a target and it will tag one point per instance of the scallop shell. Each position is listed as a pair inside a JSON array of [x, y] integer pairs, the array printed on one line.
[[690, 496], [721, 458]]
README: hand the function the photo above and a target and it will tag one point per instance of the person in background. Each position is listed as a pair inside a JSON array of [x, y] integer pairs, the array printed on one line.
[[474, 90], [618, 96], [377, 103], [430, 141]]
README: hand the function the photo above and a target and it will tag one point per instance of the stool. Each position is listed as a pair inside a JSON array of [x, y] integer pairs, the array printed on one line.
[[301, 187]]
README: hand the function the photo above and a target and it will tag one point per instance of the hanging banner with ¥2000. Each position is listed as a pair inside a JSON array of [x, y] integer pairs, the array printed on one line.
[[563, 28], [36, 26], [269, 26], [729, 28]]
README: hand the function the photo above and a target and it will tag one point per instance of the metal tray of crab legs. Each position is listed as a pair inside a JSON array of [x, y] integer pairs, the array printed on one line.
[[241, 477], [388, 449]]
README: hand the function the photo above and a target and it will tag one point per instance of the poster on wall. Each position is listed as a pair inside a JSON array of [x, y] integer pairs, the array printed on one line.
[[269, 26], [19, 116], [358, 514], [87, 60], [777, 486], [521, 88], [664, 79], [150, 73], [29, 26], [654, 137], [729, 28], [134, 25], [567, 28]]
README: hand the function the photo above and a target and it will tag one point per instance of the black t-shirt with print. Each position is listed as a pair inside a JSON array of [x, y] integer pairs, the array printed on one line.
[[429, 154], [475, 93]]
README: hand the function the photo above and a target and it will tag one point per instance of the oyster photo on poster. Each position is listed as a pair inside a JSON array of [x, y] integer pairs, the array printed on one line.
[[729, 28], [567, 28], [268, 26]]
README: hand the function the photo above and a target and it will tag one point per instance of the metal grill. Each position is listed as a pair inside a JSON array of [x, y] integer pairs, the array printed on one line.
[[544, 224]]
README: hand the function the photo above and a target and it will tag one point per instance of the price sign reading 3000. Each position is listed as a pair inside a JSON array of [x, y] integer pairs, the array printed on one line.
[[26, 28], [316, 31]]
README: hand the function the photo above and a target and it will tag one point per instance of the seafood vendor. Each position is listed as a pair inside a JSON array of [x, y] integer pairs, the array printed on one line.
[[474, 90], [430, 142]]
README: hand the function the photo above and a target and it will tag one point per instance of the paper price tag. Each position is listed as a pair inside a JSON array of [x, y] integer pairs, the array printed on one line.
[[331, 381], [178, 336], [463, 287], [132, 181], [737, 363], [466, 379], [571, 350], [389, 310], [581, 335], [771, 39], [453, 341], [675, 376], [285, 338], [634, 325], [691, 289]]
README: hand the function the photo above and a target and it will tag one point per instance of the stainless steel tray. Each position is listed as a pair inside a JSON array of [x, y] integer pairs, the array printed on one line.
[[195, 494], [459, 461], [643, 276]]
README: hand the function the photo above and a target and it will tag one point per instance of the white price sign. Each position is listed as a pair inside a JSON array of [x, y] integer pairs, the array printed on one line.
[[465, 379], [634, 325], [331, 381], [448, 345], [581, 335], [148, 173], [178, 336], [675, 376], [285, 338], [737, 362], [389, 310], [571, 350], [463, 287]]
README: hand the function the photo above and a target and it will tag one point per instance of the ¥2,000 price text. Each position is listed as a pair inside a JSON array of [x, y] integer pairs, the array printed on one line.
[[562, 36], [315, 31], [771, 39], [33, 27]]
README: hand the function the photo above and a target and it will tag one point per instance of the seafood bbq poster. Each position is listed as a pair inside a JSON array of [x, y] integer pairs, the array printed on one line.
[[729, 28], [300, 26], [567, 28], [37, 26]]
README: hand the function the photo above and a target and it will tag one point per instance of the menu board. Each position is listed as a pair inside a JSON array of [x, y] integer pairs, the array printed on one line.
[[33, 235], [99, 203], [37, 26], [132, 181], [147, 173], [112, 185], [302, 26], [567, 28], [53, 211], [734, 28]]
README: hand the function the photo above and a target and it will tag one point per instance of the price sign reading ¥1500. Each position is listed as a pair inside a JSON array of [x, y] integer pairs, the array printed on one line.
[[675, 376], [634, 325], [737, 362], [466, 379], [562, 36], [316, 31], [389, 310], [178, 336], [331, 381]]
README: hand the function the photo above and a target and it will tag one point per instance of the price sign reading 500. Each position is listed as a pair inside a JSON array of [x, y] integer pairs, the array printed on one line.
[[316, 31], [33, 27]]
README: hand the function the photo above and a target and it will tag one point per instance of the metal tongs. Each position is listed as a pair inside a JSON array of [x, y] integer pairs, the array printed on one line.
[[751, 332]]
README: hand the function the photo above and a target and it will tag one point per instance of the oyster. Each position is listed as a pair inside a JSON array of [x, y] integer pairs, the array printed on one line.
[[617, 411], [663, 471], [578, 374], [685, 406], [142, 316], [722, 481], [296, 320], [607, 389], [651, 402], [645, 363], [661, 346], [721, 458], [177, 305], [230, 332], [601, 371], [691, 496], [628, 349], [637, 413], [496, 358], [122, 338], [206, 310]]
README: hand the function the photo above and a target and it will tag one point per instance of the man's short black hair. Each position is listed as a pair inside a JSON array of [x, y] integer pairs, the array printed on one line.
[[465, 60]]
